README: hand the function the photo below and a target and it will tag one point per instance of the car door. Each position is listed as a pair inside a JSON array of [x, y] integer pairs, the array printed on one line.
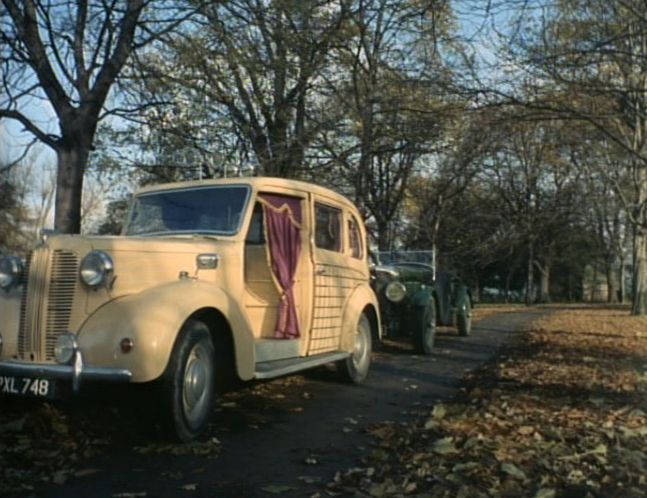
[[337, 271], [263, 294]]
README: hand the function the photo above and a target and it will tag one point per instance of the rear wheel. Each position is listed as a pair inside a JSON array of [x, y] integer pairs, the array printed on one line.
[[355, 368], [189, 382], [464, 319], [424, 328]]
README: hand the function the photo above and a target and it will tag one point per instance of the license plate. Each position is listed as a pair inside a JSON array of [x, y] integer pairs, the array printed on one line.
[[27, 386]]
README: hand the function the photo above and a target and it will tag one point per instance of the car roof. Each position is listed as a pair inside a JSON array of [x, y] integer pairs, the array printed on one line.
[[256, 183]]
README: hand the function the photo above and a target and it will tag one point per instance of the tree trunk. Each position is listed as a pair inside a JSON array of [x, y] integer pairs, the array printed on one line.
[[621, 285], [639, 306], [506, 292], [612, 293], [530, 277], [72, 161], [544, 288], [383, 236]]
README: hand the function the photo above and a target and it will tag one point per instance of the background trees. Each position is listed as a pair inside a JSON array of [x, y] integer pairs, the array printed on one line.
[[588, 62], [511, 137]]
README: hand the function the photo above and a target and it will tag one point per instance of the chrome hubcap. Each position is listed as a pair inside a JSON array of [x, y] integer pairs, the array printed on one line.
[[196, 385], [360, 350]]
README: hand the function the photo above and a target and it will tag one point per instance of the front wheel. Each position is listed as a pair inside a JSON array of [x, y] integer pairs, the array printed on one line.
[[464, 319], [189, 382], [424, 331], [355, 368]]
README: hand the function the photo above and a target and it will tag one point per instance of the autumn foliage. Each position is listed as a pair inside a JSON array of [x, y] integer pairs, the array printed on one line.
[[561, 412]]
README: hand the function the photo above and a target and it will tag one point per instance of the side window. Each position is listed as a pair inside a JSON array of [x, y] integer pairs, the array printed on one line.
[[255, 234], [328, 228], [355, 239]]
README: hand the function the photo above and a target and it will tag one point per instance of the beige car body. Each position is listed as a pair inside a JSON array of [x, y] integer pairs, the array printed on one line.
[[157, 286]]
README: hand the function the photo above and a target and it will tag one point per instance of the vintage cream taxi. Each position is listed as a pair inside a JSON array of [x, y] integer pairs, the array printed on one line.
[[261, 276]]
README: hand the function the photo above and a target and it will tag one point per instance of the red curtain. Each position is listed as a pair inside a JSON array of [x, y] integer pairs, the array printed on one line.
[[282, 216]]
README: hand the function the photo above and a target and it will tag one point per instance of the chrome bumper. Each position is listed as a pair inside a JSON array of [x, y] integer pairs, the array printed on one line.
[[76, 372]]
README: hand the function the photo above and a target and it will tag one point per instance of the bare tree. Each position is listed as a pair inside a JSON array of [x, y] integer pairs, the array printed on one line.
[[69, 54], [393, 91], [260, 64]]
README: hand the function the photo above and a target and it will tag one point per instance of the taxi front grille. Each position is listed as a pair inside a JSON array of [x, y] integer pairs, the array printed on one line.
[[24, 340], [62, 286], [47, 302]]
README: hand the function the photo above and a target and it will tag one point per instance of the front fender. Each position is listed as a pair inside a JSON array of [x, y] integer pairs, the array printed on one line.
[[361, 297], [422, 297], [153, 319]]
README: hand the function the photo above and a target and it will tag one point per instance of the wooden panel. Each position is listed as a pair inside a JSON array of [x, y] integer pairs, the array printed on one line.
[[333, 284]]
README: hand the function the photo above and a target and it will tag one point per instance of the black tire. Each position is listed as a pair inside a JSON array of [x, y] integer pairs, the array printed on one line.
[[188, 385], [355, 368], [464, 319], [424, 328]]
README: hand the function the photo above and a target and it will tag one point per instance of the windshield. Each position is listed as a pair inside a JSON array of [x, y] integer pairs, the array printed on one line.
[[406, 257], [215, 209]]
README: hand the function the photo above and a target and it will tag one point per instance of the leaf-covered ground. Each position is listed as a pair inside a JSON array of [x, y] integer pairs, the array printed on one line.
[[561, 413]]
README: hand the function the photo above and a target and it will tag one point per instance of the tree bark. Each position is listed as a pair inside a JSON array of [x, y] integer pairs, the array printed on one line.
[[612, 292], [639, 306], [530, 277], [72, 161], [544, 285], [621, 285]]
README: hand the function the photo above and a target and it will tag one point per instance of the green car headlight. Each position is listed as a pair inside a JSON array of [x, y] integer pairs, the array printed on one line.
[[96, 268], [10, 270], [395, 292]]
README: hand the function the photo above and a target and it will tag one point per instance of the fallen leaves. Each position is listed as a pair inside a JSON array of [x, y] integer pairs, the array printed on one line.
[[560, 413], [43, 444], [38, 446], [210, 447]]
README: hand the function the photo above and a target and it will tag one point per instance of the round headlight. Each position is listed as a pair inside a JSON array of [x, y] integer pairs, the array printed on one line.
[[395, 292], [10, 269], [96, 268], [66, 346]]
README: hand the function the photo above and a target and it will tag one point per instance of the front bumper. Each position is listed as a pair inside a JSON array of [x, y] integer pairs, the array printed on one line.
[[76, 372]]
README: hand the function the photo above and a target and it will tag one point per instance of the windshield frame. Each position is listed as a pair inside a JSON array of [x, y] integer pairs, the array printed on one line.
[[228, 233]]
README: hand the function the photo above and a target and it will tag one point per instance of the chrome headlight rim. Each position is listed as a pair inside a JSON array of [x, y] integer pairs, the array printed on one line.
[[96, 268], [11, 267], [65, 348], [395, 292]]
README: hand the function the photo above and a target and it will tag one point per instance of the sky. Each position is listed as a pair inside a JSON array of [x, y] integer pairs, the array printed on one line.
[[474, 27]]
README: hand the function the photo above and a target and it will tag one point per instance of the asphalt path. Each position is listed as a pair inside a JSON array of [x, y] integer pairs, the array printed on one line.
[[289, 437]]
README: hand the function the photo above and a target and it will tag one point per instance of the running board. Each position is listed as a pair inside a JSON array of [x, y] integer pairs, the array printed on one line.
[[277, 368]]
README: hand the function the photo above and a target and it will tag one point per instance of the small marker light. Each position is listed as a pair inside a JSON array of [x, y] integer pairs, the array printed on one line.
[[126, 345]]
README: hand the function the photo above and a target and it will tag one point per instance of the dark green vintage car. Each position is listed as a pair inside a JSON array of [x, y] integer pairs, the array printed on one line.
[[414, 298]]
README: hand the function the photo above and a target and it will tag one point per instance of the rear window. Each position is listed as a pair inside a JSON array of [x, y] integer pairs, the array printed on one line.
[[328, 227]]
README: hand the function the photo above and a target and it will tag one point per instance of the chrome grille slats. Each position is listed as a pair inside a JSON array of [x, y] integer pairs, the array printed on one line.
[[62, 286], [33, 294], [46, 302], [22, 331]]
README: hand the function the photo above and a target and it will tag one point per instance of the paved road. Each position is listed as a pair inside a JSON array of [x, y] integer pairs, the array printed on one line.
[[289, 437]]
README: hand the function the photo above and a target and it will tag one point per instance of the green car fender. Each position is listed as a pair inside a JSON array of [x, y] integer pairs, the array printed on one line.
[[422, 297]]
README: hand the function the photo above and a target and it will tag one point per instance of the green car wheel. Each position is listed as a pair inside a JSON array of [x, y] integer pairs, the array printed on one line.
[[424, 329], [464, 319]]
